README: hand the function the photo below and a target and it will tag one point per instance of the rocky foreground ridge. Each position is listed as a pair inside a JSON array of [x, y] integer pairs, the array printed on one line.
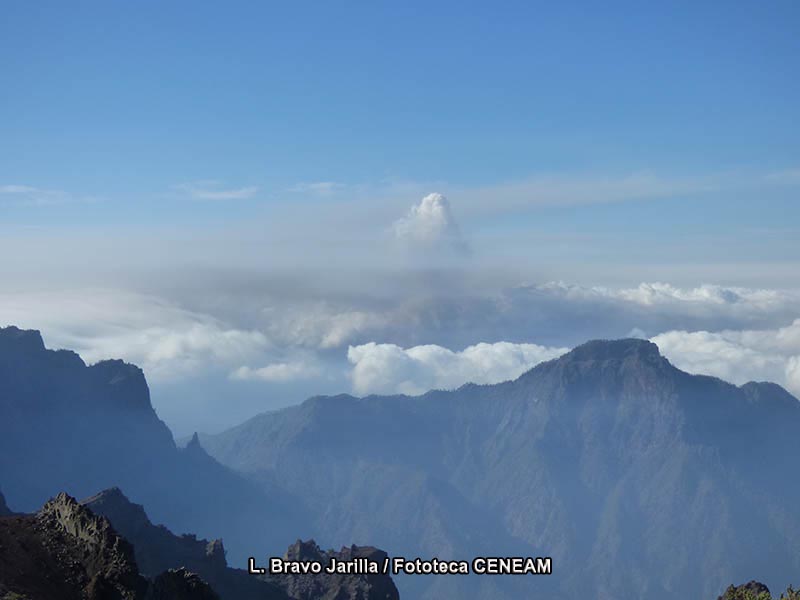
[[72, 550], [755, 590]]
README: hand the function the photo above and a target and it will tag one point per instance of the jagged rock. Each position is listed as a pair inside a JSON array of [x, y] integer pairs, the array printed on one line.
[[158, 549], [66, 552], [4, 510], [752, 590], [336, 586], [180, 584]]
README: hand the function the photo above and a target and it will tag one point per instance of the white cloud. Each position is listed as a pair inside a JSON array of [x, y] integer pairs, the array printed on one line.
[[282, 329], [213, 190], [430, 223], [280, 372], [738, 356], [387, 368], [168, 342]]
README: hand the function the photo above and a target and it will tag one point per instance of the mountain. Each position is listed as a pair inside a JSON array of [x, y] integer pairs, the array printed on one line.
[[64, 551], [70, 550], [157, 550], [71, 427], [638, 479], [4, 510]]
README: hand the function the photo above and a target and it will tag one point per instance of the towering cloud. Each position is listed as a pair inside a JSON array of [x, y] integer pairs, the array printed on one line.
[[430, 223]]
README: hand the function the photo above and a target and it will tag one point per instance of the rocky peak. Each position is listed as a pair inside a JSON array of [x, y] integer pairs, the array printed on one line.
[[628, 349], [66, 551], [180, 584], [4, 510], [751, 589], [66, 514], [14, 339], [157, 549], [336, 586]]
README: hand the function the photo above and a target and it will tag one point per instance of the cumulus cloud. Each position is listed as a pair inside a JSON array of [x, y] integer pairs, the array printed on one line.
[[430, 223], [388, 369], [213, 190], [738, 356]]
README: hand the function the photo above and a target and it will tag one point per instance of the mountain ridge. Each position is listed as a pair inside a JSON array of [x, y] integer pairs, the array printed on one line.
[[555, 460]]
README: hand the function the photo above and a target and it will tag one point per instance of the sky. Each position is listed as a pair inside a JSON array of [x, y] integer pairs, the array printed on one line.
[[259, 201]]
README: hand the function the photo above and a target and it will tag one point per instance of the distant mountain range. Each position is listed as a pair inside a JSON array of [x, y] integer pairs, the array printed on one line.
[[638, 479]]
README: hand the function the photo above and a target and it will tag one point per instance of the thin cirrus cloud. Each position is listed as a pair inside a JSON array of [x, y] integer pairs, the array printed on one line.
[[214, 190], [321, 188], [35, 196]]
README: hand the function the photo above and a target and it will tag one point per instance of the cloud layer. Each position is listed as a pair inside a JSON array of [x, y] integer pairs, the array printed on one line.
[[405, 334], [167, 341]]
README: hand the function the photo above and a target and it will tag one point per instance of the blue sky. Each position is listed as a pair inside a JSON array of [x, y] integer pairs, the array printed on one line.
[[120, 100], [234, 195]]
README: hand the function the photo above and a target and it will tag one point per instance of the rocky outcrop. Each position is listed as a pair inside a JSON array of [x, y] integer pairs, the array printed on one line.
[[336, 586], [67, 552], [4, 510], [752, 590], [64, 551], [157, 549], [180, 584]]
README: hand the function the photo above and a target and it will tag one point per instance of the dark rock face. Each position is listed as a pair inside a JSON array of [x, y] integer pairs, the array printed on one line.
[[752, 590], [638, 479], [336, 586]]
